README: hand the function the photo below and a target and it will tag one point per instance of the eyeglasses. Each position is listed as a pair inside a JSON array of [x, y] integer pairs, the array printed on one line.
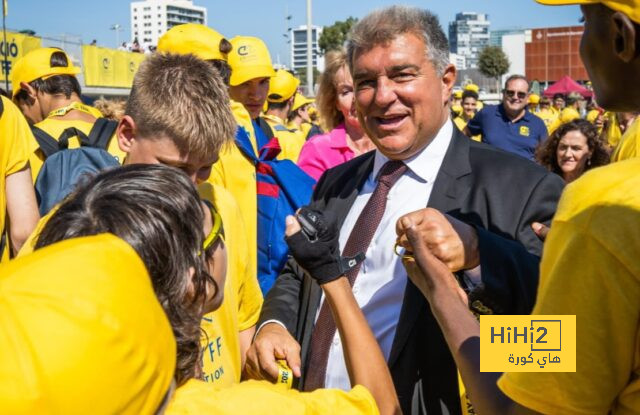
[[217, 230], [511, 94]]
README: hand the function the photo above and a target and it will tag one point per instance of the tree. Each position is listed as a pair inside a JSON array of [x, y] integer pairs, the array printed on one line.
[[302, 76], [334, 36], [493, 63]]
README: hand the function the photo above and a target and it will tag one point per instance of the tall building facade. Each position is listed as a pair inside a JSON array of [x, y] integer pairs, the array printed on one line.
[[554, 52], [299, 49], [150, 19], [468, 35]]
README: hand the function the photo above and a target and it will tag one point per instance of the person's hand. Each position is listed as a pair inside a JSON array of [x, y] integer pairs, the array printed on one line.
[[313, 243], [431, 275], [273, 342], [451, 241], [541, 230]]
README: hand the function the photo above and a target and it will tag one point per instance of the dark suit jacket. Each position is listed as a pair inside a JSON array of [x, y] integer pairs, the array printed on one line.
[[499, 193]]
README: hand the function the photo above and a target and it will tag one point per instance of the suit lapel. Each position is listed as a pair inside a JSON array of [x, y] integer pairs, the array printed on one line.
[[450, 189]]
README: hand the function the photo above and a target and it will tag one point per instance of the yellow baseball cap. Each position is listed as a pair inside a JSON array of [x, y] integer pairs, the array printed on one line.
[[456, 109], [282, 86], [534, 99], [81, 331], [249, 59], [629, 7], [457, 94], [300, 100], [471, 87], [194, 38], [37, 64]]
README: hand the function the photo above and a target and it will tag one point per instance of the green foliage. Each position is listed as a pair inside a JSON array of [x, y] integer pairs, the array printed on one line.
[[334, 36], [493, 62]]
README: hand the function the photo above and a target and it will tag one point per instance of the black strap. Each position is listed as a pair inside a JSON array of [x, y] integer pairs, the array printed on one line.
[[48, 145], [1, 111], [101, 133], [63, 140], [266, 128]]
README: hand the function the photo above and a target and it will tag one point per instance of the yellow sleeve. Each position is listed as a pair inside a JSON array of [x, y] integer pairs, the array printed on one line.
[[16, 137], [590, 269], [260, 397], [629, 145], [248, 290]]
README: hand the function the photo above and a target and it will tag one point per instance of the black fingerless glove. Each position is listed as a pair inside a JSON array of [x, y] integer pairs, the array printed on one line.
[[315, 248]]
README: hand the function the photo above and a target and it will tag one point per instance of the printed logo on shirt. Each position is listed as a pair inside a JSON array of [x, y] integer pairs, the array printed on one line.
[[527, 343], [524, 130]]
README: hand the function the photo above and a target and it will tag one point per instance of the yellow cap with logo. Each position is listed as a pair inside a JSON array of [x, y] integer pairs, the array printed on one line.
[[82, 332], [472, 87], [534, 99], [194, 38], [37, 64], [300, 100], [249, 59], [282, 86], [629, 7]]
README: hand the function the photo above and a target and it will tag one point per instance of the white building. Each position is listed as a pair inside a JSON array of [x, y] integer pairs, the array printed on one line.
[[468, 35], [299, 49], [459, 61], [513, 45], [150, 19]]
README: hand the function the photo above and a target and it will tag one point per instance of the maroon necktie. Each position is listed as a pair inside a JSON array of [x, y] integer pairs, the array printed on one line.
[[359, 240]]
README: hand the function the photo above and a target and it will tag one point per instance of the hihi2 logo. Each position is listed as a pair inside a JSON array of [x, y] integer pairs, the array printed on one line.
[[527, 343]]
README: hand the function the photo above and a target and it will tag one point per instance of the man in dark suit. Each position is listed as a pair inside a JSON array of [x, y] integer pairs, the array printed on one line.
[[403, 81]]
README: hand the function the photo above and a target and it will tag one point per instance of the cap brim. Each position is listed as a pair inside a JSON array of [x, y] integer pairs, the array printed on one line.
[[246, 73]]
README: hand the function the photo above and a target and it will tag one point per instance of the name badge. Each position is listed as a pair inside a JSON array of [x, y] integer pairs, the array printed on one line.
[[524, 130]]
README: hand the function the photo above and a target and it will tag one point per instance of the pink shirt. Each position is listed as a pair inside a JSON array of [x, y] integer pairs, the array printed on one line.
[[325, 151]]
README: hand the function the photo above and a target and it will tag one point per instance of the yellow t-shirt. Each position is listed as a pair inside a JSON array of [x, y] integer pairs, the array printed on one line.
[[234, 172], [261, 397], [548, 116], [613, 130], [461, 124], [629, 145], [291, 141], [242, 302], [591, 268], [54, 127], [568, 114], [15, 136]]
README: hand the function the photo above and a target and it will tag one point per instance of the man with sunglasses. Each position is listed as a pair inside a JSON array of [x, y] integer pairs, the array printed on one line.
[[510, 126]]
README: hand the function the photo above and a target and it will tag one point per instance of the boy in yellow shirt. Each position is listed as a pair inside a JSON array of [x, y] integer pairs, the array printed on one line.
[[46, 90]]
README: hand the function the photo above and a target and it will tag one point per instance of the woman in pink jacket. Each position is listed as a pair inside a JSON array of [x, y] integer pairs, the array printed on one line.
[[345, 139]]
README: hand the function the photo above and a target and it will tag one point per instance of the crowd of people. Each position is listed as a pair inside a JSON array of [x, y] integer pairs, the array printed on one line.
[[220, 243]]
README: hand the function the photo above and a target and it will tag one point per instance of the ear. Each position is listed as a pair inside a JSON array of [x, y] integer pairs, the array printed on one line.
[[31, 91], [126, 133], [448, 81], [625, 37]]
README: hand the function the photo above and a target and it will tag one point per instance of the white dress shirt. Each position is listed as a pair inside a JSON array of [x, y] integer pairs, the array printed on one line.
[[380, 285]]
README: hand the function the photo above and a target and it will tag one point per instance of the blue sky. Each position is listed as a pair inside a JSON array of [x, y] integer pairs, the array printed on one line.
[[90, 19]]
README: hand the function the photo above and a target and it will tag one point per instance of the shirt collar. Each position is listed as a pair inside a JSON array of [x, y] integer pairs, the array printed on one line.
[[426, 164], [338, 137], [501, 113]]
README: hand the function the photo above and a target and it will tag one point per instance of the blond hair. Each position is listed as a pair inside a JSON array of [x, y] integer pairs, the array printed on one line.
[[326, 100], [112, 109], [185, 99]]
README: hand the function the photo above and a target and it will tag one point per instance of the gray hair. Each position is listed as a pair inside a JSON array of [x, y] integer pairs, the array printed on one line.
[[384, 25], [515, 78]]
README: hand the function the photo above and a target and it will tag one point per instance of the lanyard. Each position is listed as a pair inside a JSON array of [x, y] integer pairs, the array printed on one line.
[[75, 106]]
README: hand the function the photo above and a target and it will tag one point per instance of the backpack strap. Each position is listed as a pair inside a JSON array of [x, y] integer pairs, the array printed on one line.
[[1, 111], [48, 145], [63, 140], [101, 133]]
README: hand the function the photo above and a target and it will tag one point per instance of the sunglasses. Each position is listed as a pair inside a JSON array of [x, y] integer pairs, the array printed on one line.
[[217, 230], [511, 94]]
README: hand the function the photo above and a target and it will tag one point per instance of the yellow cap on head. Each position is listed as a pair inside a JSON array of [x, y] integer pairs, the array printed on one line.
[[456, 109], [472, 87], [534, 99], [82, 331], [629, 7], [249, 59], [300, 100], [193, 38], [457, 94], [282, 86], [37, 64]]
